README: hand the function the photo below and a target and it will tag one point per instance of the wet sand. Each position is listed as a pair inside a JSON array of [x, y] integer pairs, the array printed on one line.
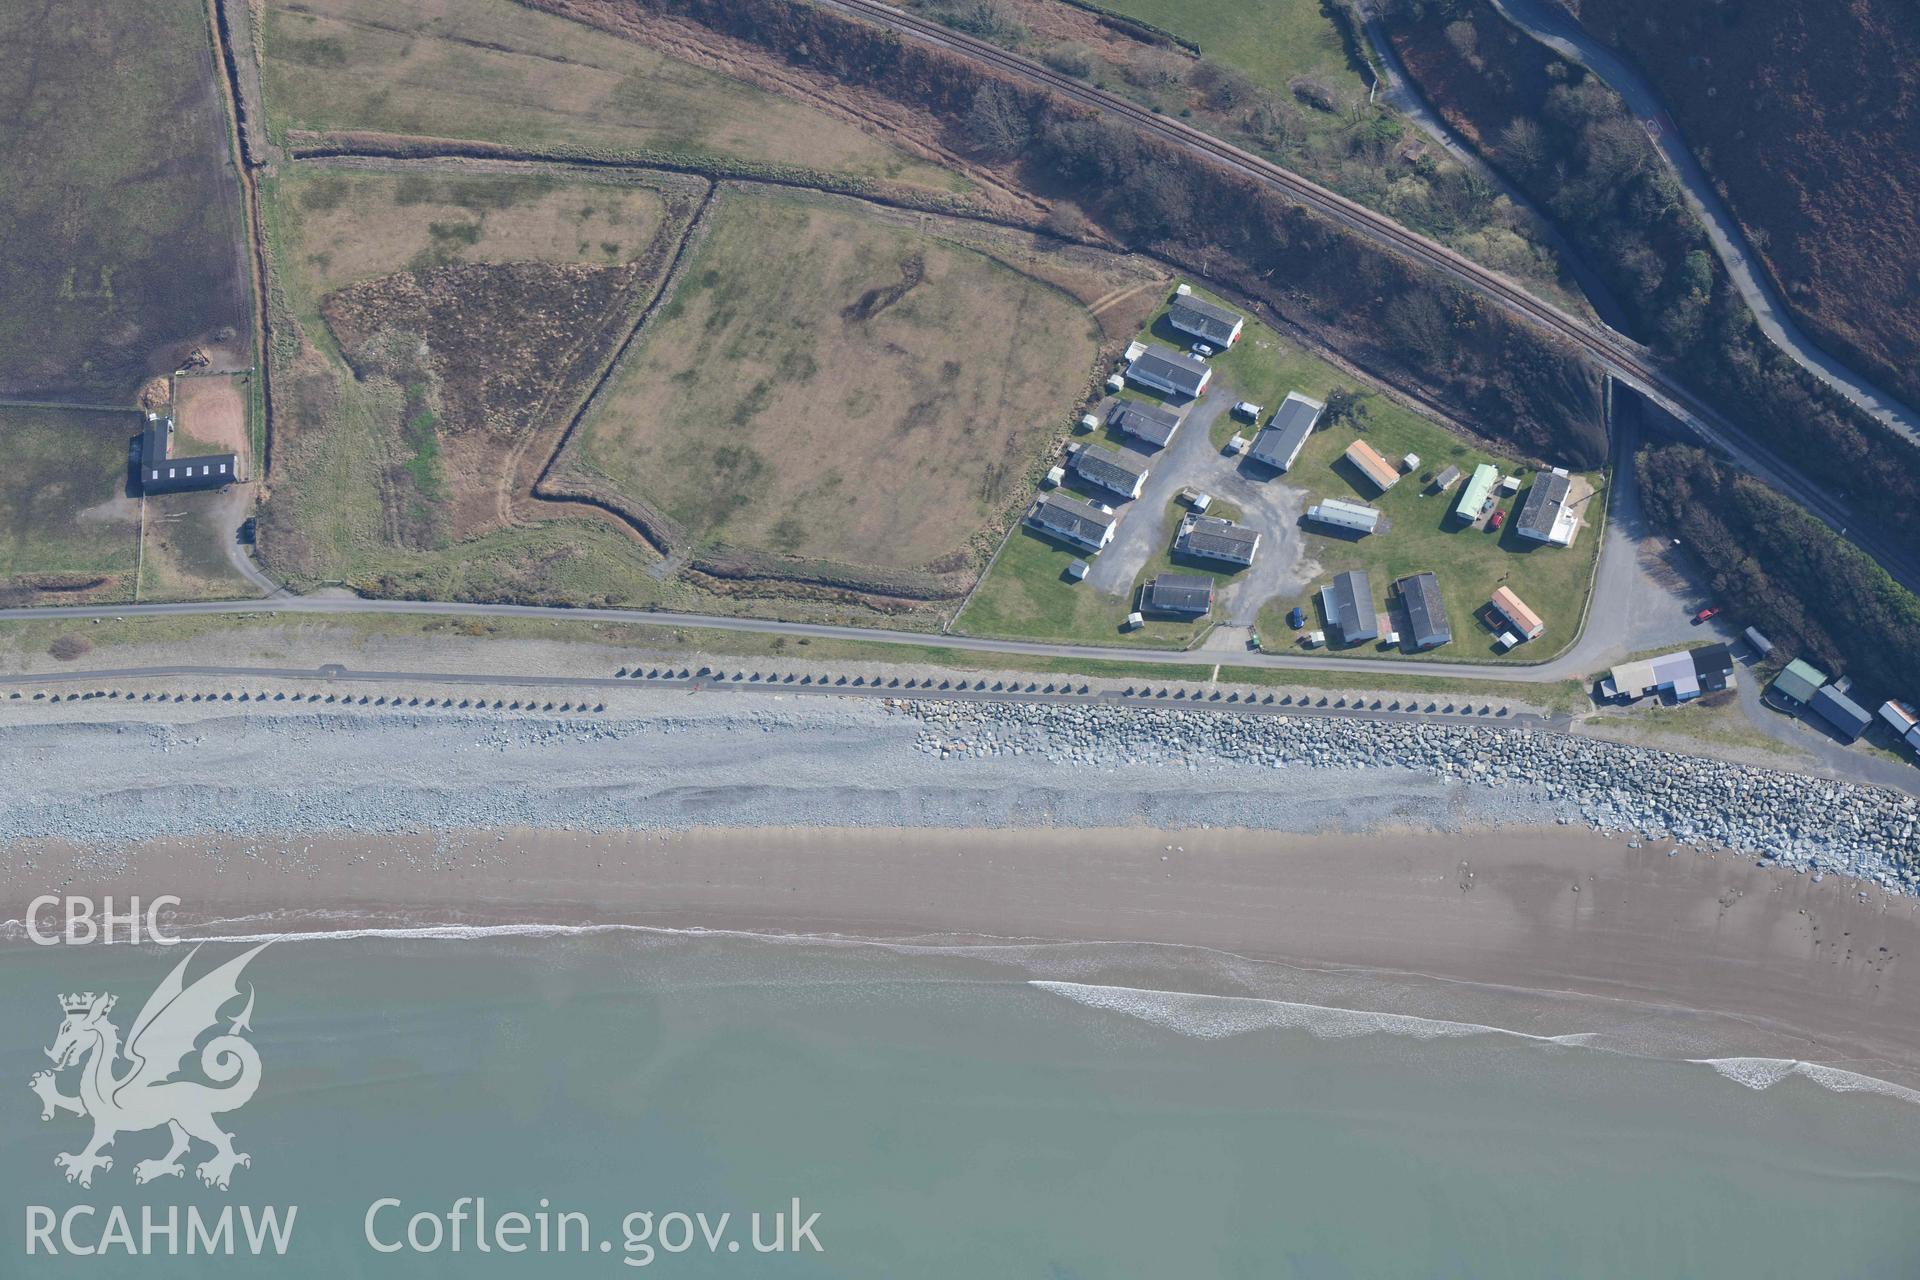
[[1550, 932]]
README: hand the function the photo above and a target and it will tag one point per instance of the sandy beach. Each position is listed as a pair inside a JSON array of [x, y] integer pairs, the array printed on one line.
[[1546, 931]]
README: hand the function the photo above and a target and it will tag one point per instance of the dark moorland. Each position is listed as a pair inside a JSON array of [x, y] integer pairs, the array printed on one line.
[[120, 221], [1808, 115]]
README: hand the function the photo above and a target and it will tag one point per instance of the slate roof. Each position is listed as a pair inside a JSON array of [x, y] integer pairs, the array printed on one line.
[[1109, 469], [1142, 421], [1203, 319], [1541, 511], [1217, 539], [1426, 611], [1348, 601], [1073, 519], [1159, 365], [1279, 442], [1189, 593], [1840, 711]]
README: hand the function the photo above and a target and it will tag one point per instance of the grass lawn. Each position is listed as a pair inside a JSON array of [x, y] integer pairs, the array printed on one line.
[[120, 221], [1470, 563], [496, 71], [1269, 41], [65, 519], [874, 395], [1026, 595]]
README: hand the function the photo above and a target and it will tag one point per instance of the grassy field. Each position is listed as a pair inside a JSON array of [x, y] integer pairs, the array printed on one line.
[[347, 225], [875, 395], [475, 308], [1269, 41], [1554, 581], [65, 519], [496, 71], [120, 224]]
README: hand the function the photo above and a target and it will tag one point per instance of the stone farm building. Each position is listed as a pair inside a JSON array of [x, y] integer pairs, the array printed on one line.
[[1208, 321], [1367, 460], [1338, 513], [1188, 595], [1071, 520], [1211, 538], [1109, 469], [1280, 441], [1170, 373], [1348, 604], [1148, 423], [162, 474], [1547, 515], [1427, 624]]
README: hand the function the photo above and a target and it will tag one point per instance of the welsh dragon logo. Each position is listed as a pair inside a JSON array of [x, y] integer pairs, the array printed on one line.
[[147, 1094]]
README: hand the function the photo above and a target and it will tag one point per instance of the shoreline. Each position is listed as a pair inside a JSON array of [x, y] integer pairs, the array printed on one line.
[[1542, 932]]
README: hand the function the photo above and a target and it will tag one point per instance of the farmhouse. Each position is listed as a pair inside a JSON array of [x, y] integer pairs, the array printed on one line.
[[1211, 538], [1348, 603], [1110, 470], [1170, 372], [1842, 714], [1370, 464], [1797, 684], [1426, 611], [1081, 523], [1474, 497], [161, 474], [1686, 674], [1147, 423], [1208, 321], [1546, 515], [1189, 595], [1524, 621], [1341, 514], [1279, 442]]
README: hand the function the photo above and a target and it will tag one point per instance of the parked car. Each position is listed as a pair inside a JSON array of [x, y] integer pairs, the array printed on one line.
[[1499, 518], [1711, 611], [1202, 349], [1298, 618]]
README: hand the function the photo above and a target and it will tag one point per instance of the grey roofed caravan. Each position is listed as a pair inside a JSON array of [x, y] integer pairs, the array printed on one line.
[[1145, 422], [1080, 523], [1190, 594], [1209, 320], [1848, 718], [1169, 371], [1279, 443], [1348, 602], [1540, 515], [1215, 539], [1110, 469], [1426, 611]]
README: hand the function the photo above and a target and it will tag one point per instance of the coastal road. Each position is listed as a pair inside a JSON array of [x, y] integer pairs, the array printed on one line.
[[1559, 32], [1613, 352]]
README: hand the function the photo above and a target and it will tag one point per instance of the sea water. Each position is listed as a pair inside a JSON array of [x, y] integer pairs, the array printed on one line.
[[930, 1112]]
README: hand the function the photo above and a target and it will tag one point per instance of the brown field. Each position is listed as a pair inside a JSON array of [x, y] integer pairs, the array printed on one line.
[[212, 410], [877, 396], [497, 71], [449, 325]]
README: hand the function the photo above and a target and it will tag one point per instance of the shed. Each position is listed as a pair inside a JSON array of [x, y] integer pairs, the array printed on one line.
[[1761, 645], [1078, 570], [1845, 716], [1446, 479], [1799, 681]]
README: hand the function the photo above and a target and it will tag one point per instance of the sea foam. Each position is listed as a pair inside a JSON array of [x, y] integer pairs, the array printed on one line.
[[1764, 1073]]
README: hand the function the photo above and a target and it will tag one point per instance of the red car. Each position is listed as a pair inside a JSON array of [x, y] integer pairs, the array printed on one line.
[[1711, 611], [1499, 518]]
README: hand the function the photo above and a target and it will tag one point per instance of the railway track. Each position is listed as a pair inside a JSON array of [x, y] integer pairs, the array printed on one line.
[[1614, 353]]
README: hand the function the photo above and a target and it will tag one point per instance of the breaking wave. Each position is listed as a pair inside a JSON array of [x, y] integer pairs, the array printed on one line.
[[1764, 1073]]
